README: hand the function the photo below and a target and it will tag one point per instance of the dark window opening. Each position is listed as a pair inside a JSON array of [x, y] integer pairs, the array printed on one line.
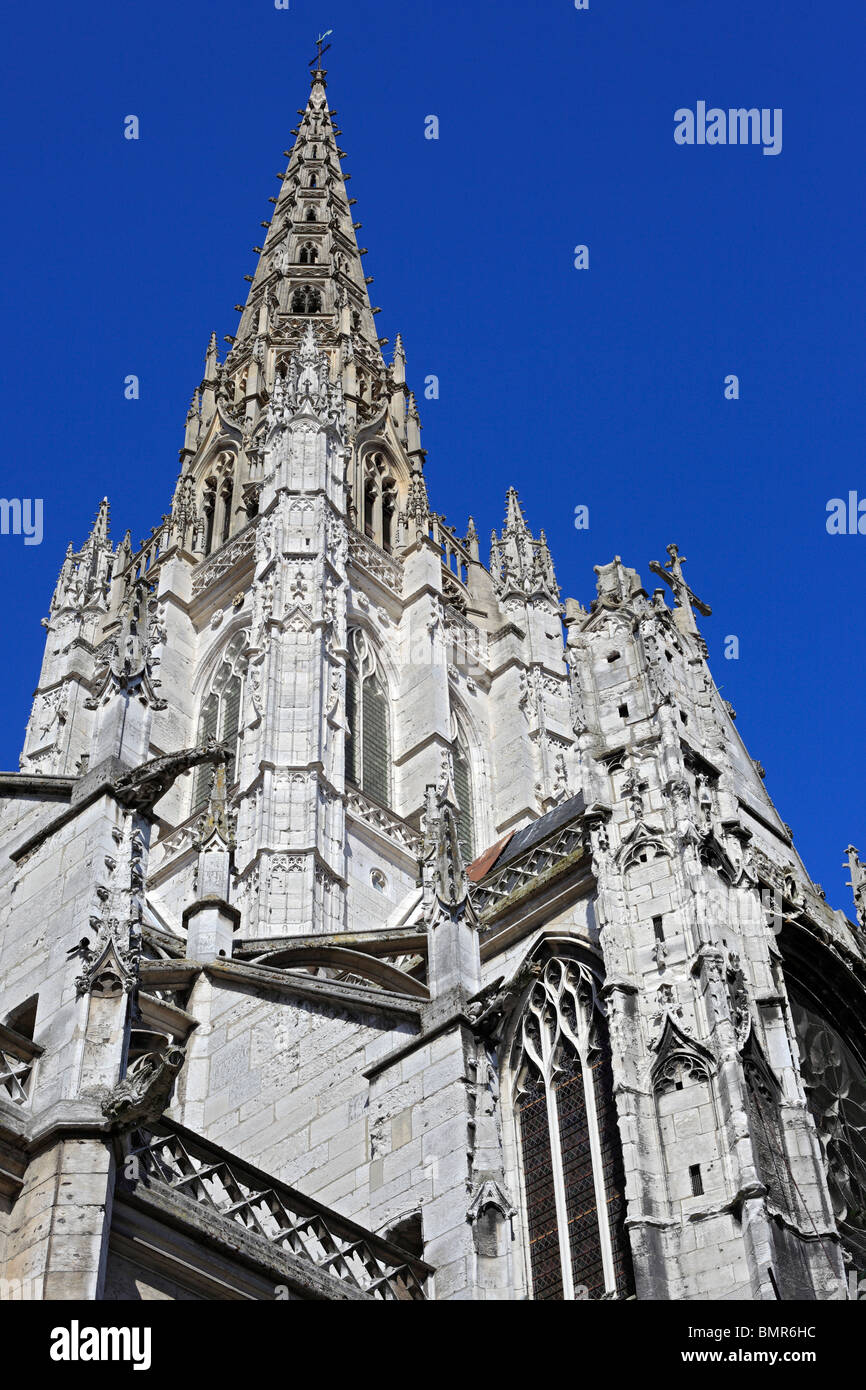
[[697, 1180], [22, 1020], [306, 300], [623, 711]]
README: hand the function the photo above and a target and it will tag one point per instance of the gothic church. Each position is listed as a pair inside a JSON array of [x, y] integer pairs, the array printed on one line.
[[375, 924]]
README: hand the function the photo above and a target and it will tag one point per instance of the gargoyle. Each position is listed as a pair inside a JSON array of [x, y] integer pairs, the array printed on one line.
[[141, 788], [143, 1094]]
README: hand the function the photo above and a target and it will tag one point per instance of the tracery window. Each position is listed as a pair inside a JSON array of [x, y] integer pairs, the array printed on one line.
[[309, 254], [220, 719], [380, 501], [763, 1098], [834, 1075], [573, 1180], [368, 742], [306, 300]]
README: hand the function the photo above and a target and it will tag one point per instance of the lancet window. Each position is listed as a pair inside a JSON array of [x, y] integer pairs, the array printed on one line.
[[380, 501], [573, 1182], [219, 718], [463, 792]]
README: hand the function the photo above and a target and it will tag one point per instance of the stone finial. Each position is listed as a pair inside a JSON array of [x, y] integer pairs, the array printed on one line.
[[216, 828], [616, 583], [443, 870], [857, 883], [520, 564]]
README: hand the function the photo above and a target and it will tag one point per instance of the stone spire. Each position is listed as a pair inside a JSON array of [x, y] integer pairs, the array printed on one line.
[[520, 564], [85, 574], [310, 265]]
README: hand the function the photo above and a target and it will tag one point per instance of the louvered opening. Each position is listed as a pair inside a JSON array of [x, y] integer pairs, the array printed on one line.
[[207, 727], [376, 753], [463, 790]]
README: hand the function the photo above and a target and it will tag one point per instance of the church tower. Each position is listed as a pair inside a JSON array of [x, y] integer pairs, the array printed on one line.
[[375, 924]]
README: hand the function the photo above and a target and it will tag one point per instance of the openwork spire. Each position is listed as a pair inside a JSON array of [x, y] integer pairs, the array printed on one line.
[[309, 264], [521, 566]]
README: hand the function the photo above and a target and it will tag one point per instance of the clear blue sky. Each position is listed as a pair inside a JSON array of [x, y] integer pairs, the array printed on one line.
[[602, 387]]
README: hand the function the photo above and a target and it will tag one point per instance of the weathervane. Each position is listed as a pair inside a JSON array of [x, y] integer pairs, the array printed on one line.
[[320, 50]]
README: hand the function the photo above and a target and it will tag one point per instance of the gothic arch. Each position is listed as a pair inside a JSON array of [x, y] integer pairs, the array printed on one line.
[[826, 1026], [381, 491], [565, 1133], [220, 711], [306, 299], [215, 488]]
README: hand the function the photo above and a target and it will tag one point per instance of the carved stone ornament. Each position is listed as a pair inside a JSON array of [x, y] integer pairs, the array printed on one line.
[[679, 1058], [143, 787], [111, 965], [142, 1096], [489, 1193]]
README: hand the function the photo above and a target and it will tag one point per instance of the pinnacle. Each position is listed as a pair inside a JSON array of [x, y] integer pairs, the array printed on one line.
[[514, 519]]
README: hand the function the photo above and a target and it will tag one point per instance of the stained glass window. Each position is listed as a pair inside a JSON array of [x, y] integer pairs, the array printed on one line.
[[572, 1162], [834, 1077], [220, 719]]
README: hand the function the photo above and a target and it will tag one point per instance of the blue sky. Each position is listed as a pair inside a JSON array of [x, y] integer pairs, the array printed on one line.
[[601, 387]]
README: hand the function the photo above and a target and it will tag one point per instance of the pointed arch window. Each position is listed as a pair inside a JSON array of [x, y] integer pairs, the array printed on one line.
[[309, 253], [380, 500], [573, 1180], [306, 300], [220, 718], [311, 215], [368, 740]]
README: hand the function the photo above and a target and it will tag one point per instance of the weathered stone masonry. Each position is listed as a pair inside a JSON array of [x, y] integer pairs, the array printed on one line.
[[373, 924]]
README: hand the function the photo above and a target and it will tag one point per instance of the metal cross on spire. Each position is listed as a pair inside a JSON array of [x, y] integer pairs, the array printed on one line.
[[320, 50]]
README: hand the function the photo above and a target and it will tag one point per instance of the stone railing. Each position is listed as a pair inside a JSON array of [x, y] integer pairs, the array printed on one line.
[[524, 870], [366, 811], [377, 562], [225, 559], [175, 1158], [17, 1059]]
